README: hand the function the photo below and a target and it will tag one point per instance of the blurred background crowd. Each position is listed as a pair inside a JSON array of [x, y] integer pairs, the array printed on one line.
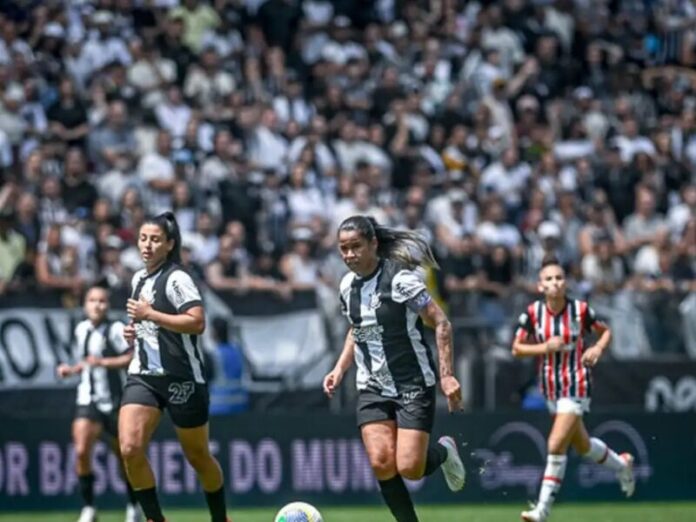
[[500, 130]]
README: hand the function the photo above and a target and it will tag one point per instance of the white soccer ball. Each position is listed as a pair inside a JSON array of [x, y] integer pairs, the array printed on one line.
[[298, 512]]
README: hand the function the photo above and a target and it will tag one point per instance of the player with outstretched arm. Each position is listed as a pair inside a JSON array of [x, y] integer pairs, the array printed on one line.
[[386, 301], [101, 352], [552, 330]]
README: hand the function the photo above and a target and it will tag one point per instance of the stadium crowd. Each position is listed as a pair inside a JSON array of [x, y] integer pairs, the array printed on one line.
[[501, 130]]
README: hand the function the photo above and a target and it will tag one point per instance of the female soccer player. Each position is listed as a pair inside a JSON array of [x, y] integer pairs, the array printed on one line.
[[386, 302], [101, 351], [552, 330], [167, 317]]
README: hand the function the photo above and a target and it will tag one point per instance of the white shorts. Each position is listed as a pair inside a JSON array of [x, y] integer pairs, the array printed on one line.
[[575, 405]]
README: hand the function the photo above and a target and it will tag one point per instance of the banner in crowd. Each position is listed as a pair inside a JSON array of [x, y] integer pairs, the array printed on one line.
[[650, 385], [285, 340], [270, 460]]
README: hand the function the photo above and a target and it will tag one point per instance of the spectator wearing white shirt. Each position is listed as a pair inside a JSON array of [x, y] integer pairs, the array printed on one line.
[[221, 164], [150, 72], [290, 105], [304, 202], [507, 178], [645, 224], [103, 47], [493, 230], [11, 120], [315, 138], [501, 38], [456, 219], [156, 171], [684, 211], [173, 114], [207, 84], [630, 142], [268, 148], [602, 268]]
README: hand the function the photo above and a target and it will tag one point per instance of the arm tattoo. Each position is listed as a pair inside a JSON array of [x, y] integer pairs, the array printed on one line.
[[443, 338]]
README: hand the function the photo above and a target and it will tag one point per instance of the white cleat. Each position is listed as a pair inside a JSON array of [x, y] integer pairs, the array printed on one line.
[[133, 513], [627, 479], [88, 514], [452, 467], [537, 514]]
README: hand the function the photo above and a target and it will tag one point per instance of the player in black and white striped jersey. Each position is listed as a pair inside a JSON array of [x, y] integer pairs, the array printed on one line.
[[166, 310], [386, 301], [101, 352]]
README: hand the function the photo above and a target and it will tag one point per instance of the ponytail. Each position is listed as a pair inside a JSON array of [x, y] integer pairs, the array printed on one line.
[[405, 246], [166, 221]]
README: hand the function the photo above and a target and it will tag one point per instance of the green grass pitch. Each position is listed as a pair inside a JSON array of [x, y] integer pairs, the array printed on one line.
[[623, 512]]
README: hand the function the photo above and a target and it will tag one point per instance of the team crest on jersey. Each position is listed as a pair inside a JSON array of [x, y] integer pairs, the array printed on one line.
[[375, 301]]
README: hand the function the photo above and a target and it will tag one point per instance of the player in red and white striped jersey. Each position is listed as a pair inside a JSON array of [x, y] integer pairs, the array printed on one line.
[[552, 330]]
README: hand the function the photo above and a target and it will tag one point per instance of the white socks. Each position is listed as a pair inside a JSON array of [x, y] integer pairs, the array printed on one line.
[[553, 477], [605, 456]]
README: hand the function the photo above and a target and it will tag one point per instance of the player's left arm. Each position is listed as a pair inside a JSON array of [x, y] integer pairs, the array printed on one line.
[[433, 316], [596, 325]]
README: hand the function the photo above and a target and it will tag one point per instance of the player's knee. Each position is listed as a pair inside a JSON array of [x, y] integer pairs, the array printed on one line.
[[131, 449], [383, 464], [556, 446], [82, 453], [198, 456], [410, 469], [581, 446]]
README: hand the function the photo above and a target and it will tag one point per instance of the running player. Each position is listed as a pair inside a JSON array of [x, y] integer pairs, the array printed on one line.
[[386, 302], [101, 351], [168, 319], [552, 330]]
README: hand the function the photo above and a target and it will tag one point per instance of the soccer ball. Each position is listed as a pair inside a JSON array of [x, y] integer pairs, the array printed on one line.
[[298, 512]]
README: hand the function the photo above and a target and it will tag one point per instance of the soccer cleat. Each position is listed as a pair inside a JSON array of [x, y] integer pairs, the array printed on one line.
[[133, 513], [627, 479], [452, 467], [88, 514], [537, 514]]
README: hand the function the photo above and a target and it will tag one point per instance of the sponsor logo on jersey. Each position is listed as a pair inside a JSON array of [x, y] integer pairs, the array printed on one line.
[[364, 334]]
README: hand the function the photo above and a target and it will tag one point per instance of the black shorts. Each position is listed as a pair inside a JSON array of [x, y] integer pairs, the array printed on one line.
[[186, 401], [109, 421], [413, 410]]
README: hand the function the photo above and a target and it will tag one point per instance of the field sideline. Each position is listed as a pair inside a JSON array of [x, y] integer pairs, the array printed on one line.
[[623, 512]]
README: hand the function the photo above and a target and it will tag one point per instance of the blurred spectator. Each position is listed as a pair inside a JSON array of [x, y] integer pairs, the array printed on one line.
[[299, 265], [227, 393], [156, 173], [57, 264], [499, 132], [113, 139], [67, 116], [603, 269], [12, 248]]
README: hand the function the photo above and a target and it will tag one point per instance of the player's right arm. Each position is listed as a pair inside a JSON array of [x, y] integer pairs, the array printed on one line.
[[522, 347], [334, 377], [64, 370]]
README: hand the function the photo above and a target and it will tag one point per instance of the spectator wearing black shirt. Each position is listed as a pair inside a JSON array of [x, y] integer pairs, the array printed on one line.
[[78, 192], [67, 116]]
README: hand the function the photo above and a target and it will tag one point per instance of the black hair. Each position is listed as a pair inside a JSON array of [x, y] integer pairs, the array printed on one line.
[[166, 221], [405, 246], [548, 260], [100, 285]]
